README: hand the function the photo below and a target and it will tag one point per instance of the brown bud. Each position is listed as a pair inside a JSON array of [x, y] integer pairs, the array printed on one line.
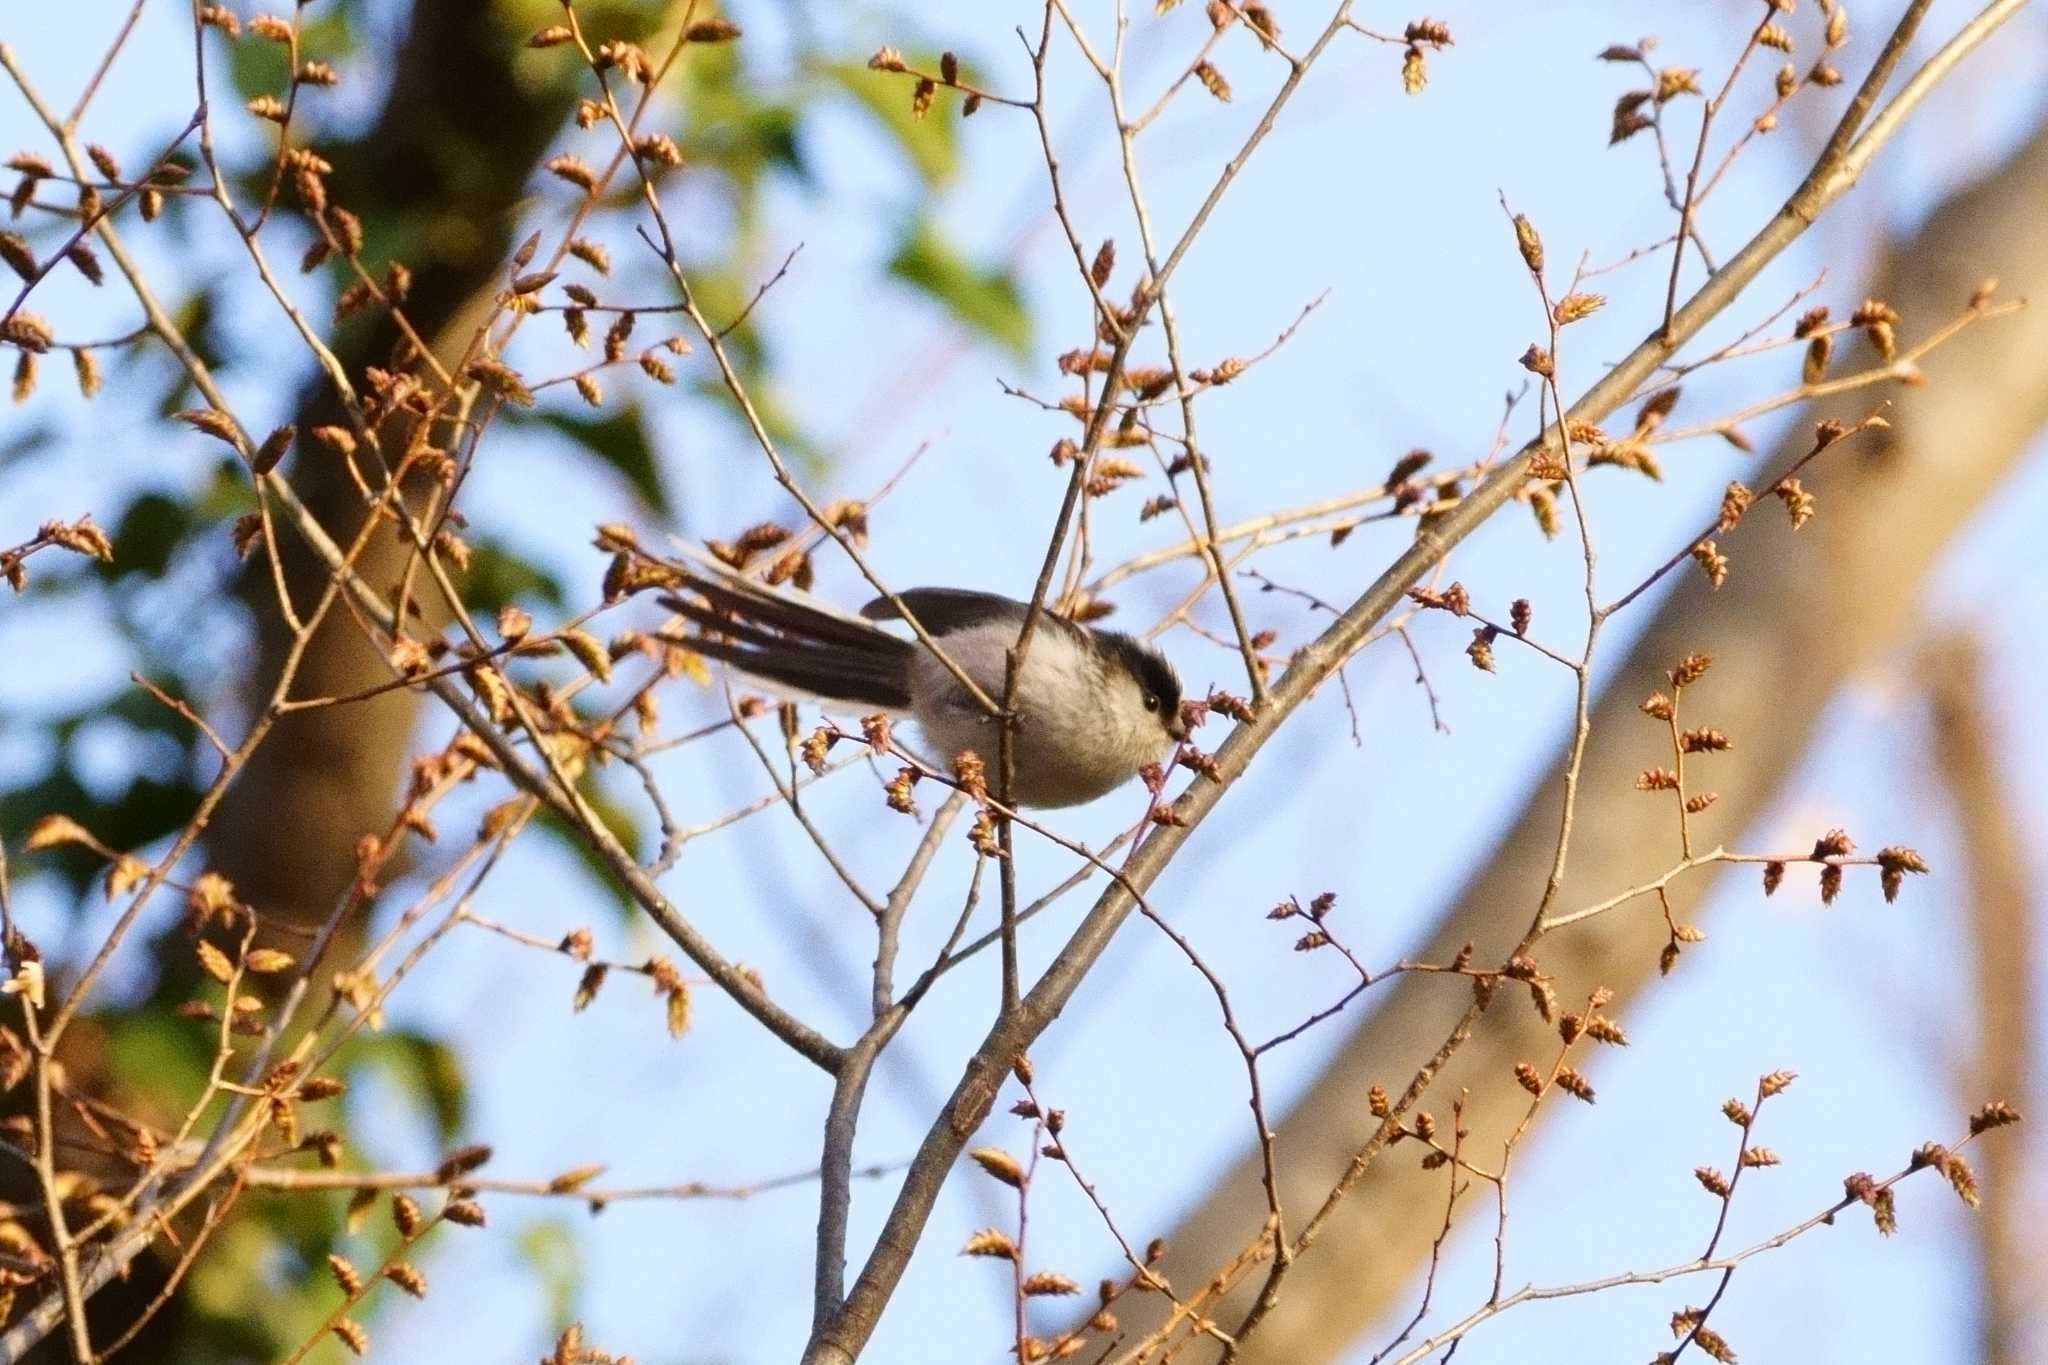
[[1996, 1114], [1000, 1164], [1530, 244], [465, 1213]]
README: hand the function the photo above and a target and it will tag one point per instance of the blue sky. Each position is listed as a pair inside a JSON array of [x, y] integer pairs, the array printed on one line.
[[1389, 204]]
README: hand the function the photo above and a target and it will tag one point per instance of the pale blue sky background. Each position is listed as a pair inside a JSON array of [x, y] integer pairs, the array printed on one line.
[[1389, 203]]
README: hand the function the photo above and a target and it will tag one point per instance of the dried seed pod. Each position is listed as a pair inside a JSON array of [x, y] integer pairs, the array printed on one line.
[[989, 1242], [465, 1213], [1572, 307], [1705, 740], [1712, 562], [1047, 1282], [1414, 71], [999, 1164], [1996, 1114], [1690, 669], [462, 1161], [574, 170], [1674, 81], [273, 450], [345, 1274]]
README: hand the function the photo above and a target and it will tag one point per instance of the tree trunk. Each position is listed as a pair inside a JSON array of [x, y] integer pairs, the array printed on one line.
[[1799, 614], [1996, 874], [442, 174], [440, 178]]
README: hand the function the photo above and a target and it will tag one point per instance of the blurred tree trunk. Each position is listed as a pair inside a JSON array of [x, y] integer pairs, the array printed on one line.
[[1799, 614], [1966, 750], [438, 181]]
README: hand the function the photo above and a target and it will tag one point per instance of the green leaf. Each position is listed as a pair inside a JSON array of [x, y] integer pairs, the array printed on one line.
[[235, 1311], [550, 1251], [931, 142], [747, 139], [624, 827], [148, 534], [30, 438], [144, 811], [153, 1054], [791, 439], [198, 318], [985, 301], [134, 707], [257, 65], [498, 577], [619, 439], [424, 1068], [227, 494], [551, 824]]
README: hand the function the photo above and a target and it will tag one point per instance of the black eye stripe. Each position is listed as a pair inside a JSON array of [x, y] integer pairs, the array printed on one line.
[[1146, 665]]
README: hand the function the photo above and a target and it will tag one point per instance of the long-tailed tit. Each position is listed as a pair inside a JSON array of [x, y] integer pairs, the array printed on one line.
[[1093, 706]]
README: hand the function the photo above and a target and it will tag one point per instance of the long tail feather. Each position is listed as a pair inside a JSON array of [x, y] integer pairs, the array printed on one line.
[[784, 641]]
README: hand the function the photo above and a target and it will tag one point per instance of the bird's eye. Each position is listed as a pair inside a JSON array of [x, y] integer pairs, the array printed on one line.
[[1151, 701]]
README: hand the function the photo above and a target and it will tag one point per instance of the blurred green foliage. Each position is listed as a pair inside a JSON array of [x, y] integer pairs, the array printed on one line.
[[169, 593]]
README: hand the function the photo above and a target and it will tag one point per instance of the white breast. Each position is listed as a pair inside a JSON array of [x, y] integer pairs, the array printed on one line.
[[1073, 744]]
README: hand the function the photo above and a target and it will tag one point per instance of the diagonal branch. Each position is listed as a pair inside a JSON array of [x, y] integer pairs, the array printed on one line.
[[1779, 657], [841, 1340]]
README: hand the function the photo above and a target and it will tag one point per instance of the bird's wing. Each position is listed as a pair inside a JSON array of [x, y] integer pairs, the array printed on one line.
[[733, 590], [791, 639], [944, 610]]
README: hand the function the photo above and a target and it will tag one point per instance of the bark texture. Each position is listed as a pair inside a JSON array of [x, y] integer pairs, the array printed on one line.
[[2004, 924], [1799, 614], [442, 173]]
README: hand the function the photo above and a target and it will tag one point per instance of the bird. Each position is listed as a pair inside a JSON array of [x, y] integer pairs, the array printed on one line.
[[1093, 706]]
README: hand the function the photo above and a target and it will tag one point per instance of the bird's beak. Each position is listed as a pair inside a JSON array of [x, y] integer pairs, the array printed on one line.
[[1177, 731]]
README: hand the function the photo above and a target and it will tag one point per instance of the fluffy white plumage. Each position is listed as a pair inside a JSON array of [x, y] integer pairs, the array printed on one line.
[[1086, 727], [1093, 706]]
